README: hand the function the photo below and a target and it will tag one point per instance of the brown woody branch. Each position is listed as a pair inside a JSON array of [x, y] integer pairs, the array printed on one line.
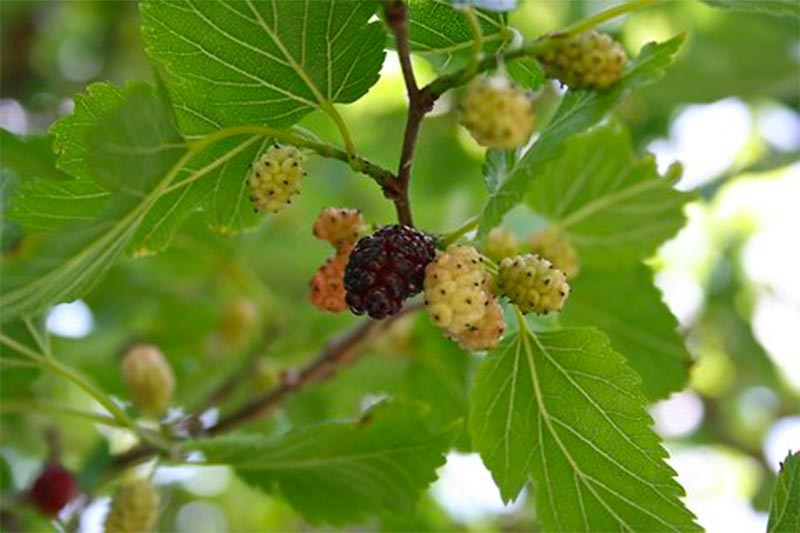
[[420, 103], [339, 353]]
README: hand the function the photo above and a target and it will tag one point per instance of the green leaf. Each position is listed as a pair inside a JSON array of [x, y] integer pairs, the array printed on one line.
[[338, 472], [784, 512], [266, 62], [70, 133], [563, 409], [527, 72], [443, 36], [438, 375], [579, 110], [135, 144], [65, 265], [29, 158], [613, 206], [780, 8], [51, 204], [639, 325], [496, 167]]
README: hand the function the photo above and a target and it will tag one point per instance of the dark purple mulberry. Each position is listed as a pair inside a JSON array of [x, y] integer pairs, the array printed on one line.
[[386, 268]]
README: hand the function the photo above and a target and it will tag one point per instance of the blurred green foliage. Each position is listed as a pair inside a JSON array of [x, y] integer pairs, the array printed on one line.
[[179, 298]]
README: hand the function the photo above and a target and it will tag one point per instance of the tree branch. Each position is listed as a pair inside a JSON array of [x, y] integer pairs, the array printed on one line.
[[339, 353], [419, 104]]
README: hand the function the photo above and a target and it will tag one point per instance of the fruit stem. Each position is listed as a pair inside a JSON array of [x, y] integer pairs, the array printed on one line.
[[357, 163], [456, 234]]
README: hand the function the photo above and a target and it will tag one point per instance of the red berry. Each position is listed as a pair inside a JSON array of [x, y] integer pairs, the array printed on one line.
[[53, 489], [327, 286], [386, 268]]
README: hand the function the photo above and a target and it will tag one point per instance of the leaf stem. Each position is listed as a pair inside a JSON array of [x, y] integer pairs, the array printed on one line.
[[349, 147], [69, 374], [477, 37], [24, 407]]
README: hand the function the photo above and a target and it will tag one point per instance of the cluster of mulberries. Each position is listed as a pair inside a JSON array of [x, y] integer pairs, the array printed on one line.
[[134, 508], [385, 269], [591, 60], [341, 228], [555, 247], [459, 298], [497, 113], [274, 178], [532, 283]]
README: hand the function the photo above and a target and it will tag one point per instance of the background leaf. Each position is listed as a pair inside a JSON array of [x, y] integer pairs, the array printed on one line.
[[337, 472], [441, 34], [70, 133], [65, 265], [611, 204], [578, 111], [625, 304], [565, 410], [784, 512], [778, 8]]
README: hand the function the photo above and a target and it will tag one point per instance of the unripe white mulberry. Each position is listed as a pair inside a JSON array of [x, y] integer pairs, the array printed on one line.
[[500, 243], [497, 113], [149, 378], [555, 247], [457, 288], [591, 60], [487, 332], [340, 227], [532, 283], [274, 178], [134, 508]]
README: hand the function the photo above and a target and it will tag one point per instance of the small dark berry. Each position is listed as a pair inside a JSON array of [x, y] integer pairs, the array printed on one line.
[[385, 269], [53, 489]]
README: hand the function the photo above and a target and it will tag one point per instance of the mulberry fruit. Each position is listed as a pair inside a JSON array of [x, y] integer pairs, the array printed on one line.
[[591, 60], [134, 508], [532, 283], [497, 114], [340, 227], [386, 268], [487, 332], [53, 489], [239, 321], [500, 243], [457, 288], [554, 246], [326, 289], [274, 178], [149, 379]]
